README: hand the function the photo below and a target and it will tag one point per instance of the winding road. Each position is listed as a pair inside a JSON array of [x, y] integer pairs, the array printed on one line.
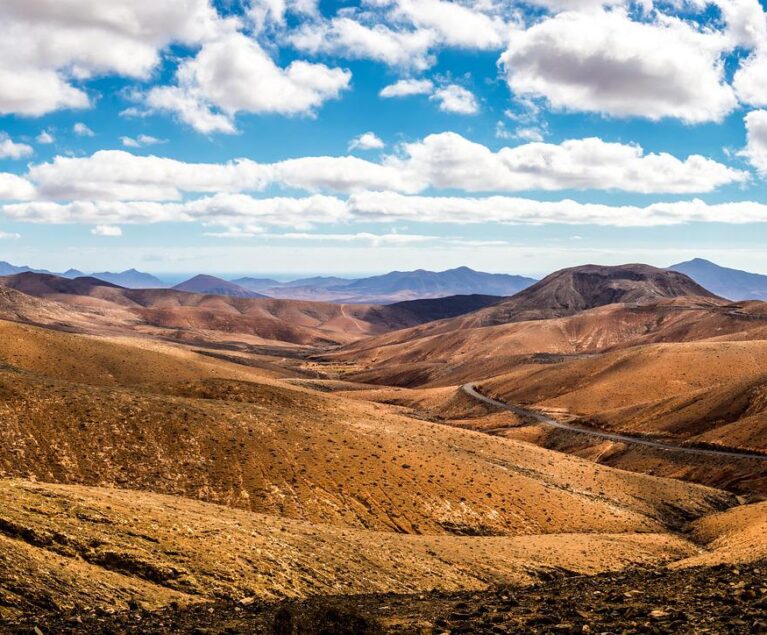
[[471, 390]]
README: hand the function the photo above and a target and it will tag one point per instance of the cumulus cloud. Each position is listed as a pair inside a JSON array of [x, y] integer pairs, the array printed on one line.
[[9, 235], [366, 141], [456, 24], [406, 33], [239, 210], [47, 47], [44, 138], [407, 87], [81, 130], [390, 206], [451, 97], [15, 188], [603, 61], [445, 160], [234, 74], [141, 141], [107, 230], [756, 140], [374, 240], [12, 150], [750, 80], [456, 99], [346, 37], [448, 160]]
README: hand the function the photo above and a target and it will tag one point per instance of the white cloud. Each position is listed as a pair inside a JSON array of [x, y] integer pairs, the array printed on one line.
[[406, 33], [44, 137], [602, 61], [238, 211], [407, 87], [375, 240], [448, 160], [15, 188], [756, 140], [81, 130], [234, 74], [457, 25], [366, 141], [349, 38], [229, 210], [107, 230], [445, 160], [141, 141], [750, 80], [456, 99], [48, 46], [9, 236], [12, 150], [389, 206]]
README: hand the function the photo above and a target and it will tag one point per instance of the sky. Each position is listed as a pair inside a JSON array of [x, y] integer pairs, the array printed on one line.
[[301, 137]]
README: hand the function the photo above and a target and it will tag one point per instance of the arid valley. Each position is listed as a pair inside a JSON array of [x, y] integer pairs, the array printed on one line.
[[185, 462]]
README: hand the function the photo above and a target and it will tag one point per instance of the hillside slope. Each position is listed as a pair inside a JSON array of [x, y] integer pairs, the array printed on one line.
[[63, 546]]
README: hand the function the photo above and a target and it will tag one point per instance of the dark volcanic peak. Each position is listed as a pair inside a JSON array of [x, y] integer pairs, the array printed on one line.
[[429, 309], [576, 289], [211, 285], [724, 281], [42, 284]]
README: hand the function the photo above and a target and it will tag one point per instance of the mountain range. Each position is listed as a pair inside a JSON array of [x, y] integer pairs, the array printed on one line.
[[391, 287], [397, 286]]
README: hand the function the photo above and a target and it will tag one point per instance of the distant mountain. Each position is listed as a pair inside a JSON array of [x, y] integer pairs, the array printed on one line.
[[424, 283], [320, 282], [399, 286], [256, 284], [131, 279], [7, 269], [576, 289], [215, 286], [73, 273], [733, 284]]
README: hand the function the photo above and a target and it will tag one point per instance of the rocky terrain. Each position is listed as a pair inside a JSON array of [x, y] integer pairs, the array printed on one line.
[[281, 466]]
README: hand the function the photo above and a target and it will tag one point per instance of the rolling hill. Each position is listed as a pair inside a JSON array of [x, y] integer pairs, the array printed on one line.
[[640, 304], [139, 471], [202, 318]]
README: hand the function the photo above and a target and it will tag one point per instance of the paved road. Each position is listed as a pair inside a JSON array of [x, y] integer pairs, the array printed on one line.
[[471, 390]]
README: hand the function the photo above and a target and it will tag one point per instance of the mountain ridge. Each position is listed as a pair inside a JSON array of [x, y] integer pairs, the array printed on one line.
[[727, 282]]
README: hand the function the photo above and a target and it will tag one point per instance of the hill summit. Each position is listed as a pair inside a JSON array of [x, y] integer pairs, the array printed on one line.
[[569, 291]]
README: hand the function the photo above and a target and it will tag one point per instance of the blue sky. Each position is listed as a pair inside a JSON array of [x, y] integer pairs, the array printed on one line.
[[291, 137]]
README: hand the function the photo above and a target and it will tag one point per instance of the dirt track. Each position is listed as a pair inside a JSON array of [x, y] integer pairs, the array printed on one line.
[[471, 390]]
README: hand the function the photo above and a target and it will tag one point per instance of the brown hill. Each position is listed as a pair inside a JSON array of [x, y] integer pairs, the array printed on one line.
[[577, 289], [210, 285], [62, 546], [205, 317], [449, 353], [271, 448], [712, 392]]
